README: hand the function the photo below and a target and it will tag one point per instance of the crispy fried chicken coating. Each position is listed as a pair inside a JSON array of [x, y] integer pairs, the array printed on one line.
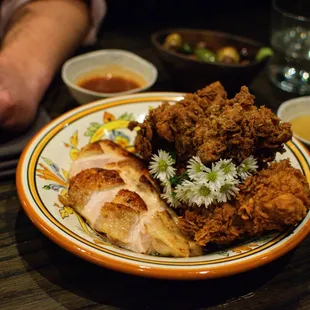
[[272, 200], [208, 125]]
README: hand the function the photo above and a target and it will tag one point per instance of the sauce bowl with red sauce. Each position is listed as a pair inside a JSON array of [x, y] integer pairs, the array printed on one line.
[[109, 84], [107, 73]]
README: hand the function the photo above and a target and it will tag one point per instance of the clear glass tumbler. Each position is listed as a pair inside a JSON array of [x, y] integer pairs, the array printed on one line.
[[289, 68]]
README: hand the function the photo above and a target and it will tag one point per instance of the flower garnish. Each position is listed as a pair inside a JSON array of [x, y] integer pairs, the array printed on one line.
[[214, 177], [167, 188], [248, 166], [228, 168], [195, 167], [202, 194], [168, 194], [200, 185], [183, 191], [161, 166], [177, 179], [227, 191], [171, 199]]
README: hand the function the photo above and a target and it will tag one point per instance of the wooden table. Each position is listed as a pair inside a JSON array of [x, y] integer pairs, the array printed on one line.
[[38, 274]]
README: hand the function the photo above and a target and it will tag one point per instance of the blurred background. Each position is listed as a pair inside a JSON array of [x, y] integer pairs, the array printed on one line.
[[243, 17], [129, 24]]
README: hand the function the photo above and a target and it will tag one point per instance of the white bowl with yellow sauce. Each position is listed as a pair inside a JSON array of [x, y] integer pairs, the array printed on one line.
[[297, 112], [107, 73]]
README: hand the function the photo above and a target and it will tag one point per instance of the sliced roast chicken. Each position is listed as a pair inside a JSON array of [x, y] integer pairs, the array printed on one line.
[[114, 192]]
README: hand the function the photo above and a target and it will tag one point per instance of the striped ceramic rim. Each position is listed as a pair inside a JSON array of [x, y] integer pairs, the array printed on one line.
[[143, 264]]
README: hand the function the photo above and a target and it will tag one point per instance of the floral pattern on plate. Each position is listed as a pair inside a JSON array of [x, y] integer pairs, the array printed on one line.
[[42, 176], [110, 128]]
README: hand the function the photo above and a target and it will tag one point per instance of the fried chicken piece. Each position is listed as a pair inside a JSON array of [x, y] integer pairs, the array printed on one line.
[[208, 125], [272, 200]]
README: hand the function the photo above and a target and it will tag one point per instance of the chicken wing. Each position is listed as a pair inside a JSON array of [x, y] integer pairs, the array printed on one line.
[[272, 200]]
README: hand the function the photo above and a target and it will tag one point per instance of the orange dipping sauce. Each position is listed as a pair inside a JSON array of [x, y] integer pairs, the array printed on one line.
[[109, 84], [110, 79]]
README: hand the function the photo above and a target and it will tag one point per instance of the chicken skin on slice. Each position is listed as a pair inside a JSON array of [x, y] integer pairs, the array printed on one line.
[[115, 194]]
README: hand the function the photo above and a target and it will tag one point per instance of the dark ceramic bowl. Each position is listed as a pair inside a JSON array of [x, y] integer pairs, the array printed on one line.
[[189, 74]]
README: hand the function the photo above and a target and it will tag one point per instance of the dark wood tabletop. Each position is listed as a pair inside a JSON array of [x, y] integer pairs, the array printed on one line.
[[38, 274]]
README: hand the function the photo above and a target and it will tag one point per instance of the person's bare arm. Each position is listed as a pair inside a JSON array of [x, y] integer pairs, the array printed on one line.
[[40, 36]]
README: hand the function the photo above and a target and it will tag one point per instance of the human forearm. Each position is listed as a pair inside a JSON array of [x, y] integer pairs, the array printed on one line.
[[43, 33], [39, 38]]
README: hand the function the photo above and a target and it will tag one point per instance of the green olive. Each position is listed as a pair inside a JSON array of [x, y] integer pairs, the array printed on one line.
[[173, 41], [228, 54], [186, 49], [263, 52], [205, 55]]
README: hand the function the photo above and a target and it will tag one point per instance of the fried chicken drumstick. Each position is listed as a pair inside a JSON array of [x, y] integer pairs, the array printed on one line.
[[208, 125], [274, 199]]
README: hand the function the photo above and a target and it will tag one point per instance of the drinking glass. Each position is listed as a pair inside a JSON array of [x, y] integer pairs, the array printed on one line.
[[289, 67]]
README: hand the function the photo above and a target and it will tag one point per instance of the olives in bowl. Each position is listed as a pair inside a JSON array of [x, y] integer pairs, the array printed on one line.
[[195, 58], [203, 51]]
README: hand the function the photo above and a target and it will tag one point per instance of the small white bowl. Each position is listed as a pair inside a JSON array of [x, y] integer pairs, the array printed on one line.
[[293, 108], [92, 63]]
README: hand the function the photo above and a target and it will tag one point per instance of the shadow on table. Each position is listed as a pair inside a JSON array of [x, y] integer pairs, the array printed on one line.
[[66, 275]]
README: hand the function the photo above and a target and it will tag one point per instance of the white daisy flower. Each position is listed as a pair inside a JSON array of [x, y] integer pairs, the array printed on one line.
[[161, 166], [184, 190], [214, 177], [227, 191], [202, 194], [248, 166], [229, 169], [170, 199], [168, 194], [166, 185], [195, 167]]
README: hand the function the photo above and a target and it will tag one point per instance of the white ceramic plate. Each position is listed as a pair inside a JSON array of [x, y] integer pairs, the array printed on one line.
[[42, 176]]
